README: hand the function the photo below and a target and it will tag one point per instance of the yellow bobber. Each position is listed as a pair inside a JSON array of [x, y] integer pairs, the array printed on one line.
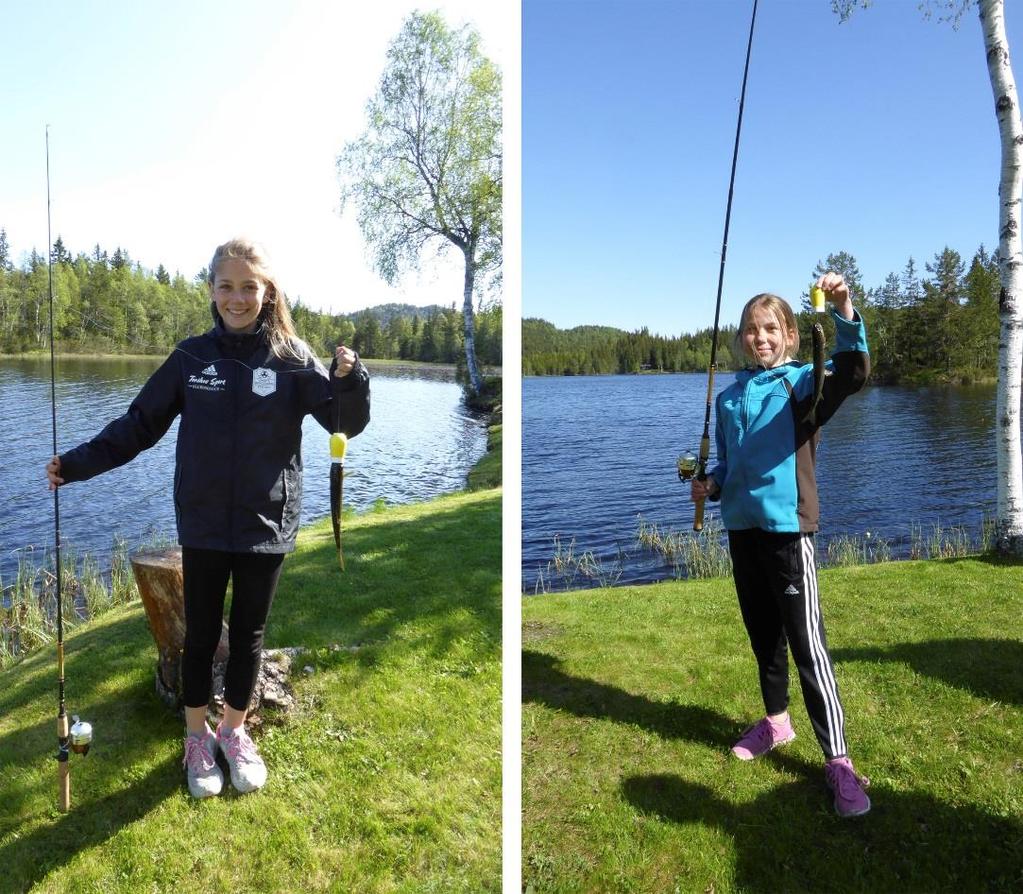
[[338, 446]]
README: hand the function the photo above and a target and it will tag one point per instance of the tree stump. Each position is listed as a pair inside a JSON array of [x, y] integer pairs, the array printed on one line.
[[160, 581]]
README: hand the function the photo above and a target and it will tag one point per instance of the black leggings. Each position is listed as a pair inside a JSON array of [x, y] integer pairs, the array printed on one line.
[[206, 572]]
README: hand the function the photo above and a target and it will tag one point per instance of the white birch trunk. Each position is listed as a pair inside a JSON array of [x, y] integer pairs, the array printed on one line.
[[1009, 530], [475, 379]]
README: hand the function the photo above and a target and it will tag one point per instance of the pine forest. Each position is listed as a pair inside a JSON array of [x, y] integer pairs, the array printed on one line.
[[938, 325], [109, 304]]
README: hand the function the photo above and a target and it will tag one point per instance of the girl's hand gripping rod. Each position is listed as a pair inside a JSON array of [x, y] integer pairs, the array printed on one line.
[[690, 466]]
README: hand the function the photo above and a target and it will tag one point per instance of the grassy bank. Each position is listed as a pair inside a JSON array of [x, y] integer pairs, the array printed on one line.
[[487, 472], [633, 697], [386, 779]]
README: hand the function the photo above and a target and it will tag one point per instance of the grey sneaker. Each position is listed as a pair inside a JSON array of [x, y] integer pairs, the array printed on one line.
[[204, 776], [248, 772]]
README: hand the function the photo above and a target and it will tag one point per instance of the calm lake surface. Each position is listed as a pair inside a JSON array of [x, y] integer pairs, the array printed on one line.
[[421, 442], [599, 452]]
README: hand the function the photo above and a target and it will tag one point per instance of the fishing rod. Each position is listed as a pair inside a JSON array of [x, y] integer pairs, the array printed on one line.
[[78, 737], [688, 464]]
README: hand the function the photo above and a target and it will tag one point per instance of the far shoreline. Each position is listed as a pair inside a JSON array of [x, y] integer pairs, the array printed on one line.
[[374, 361]]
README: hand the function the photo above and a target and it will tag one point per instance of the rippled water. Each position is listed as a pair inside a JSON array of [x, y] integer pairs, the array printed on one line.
[[420, 442], [599, 451]]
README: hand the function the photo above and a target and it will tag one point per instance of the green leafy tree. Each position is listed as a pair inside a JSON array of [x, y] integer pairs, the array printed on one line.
[[428, 167], [5, 252]]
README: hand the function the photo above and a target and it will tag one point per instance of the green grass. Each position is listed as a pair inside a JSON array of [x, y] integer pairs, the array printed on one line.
[[633, 697], [487, 472], [387, 778]]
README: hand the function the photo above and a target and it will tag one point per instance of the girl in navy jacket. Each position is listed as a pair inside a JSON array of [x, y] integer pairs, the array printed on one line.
[[242, 390], [765, 479]]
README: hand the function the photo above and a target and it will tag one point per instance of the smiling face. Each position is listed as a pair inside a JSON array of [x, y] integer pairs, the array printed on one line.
[[765, 338], [239, 292]]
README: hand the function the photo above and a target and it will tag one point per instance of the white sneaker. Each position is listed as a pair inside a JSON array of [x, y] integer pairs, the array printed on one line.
[[204, 776], [248, 772]]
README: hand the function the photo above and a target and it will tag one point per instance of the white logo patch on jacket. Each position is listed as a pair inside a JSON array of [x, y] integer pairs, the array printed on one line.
[[264, 381], [207, 380]]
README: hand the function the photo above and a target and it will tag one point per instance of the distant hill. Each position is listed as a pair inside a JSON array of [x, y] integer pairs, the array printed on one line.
[[385, 313]]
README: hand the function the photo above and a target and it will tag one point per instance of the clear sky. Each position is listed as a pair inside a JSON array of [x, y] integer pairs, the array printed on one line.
[[877, 137], [175, 126]]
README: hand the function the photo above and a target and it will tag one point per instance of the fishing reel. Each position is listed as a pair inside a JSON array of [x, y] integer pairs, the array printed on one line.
[[81, 735], [78, 739], [687, 465]]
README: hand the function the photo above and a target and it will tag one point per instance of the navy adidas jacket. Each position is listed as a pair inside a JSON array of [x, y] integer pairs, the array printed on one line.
[[766, 452], [238, 468]]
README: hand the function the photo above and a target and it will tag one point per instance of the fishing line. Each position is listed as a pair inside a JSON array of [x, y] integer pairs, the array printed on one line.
[[689, 465]]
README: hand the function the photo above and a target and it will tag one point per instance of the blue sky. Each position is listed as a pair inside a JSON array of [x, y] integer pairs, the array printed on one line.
[[176, 126], [877, 137]]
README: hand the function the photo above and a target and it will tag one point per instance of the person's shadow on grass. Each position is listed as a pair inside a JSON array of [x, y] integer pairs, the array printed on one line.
[[544, 682], [789, 839], [29, 857], [988, 668]]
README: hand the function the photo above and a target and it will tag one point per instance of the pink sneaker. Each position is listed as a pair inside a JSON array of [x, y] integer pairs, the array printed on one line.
[[204, 776], [248, 772], [762, 737], [848, 786]]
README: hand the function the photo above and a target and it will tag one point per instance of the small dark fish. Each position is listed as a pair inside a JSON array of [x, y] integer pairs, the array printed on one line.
[[819, 373]]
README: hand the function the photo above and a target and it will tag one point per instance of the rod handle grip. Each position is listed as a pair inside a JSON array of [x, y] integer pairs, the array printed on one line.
[[64, 781], [698, 518]]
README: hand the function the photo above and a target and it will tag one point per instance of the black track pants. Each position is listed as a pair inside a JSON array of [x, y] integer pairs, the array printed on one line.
[[254, 580], [776, 580]]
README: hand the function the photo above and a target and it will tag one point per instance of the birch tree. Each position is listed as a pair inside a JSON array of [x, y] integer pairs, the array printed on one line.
[[428, 167], [1009, 529]]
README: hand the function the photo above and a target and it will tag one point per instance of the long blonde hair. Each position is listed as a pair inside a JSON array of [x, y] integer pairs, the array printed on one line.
[[280, 328], [773, 304]]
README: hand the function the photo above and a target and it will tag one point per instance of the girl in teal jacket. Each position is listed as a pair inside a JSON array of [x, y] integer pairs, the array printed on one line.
[[765, 480]]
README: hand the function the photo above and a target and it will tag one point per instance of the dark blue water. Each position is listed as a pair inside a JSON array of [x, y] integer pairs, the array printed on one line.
[[421, 442], [599, 452]]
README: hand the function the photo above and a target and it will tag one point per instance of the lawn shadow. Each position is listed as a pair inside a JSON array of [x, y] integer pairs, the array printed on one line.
[[444, 567], [128, 726], [790, 839], [544, 682], [30, 857], [987, 668], [36, 675]]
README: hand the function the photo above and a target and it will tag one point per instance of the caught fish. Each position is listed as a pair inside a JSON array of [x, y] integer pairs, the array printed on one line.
[[819, 373], [338, 446]]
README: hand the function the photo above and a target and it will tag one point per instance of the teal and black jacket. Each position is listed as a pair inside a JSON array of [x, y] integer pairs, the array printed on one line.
[[766, 451]]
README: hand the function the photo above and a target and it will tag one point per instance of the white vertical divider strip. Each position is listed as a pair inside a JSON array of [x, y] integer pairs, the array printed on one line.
[[511, 640]]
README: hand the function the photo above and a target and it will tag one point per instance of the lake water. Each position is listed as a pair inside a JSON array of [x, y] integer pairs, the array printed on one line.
[[599, 452], [421, 442]]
